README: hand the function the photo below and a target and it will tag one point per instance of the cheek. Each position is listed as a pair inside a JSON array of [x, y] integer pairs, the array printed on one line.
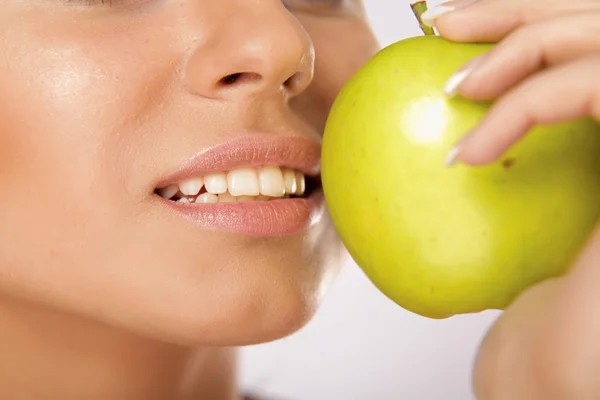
[[338, 57], [56, 128], [70, 108], [48, 158], [64, 152]]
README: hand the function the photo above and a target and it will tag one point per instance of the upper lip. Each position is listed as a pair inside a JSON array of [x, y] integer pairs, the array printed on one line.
[[254, 150]]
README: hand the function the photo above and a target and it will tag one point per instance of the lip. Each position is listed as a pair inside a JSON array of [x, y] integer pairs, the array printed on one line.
[[258, 218], [298, 153]]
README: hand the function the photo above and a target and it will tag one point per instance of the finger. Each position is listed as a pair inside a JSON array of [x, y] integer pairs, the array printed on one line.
[[492, 20], [559, 94], [528, 50]]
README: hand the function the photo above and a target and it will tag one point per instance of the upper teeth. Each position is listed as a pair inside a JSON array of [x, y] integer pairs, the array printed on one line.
[[263, 181]]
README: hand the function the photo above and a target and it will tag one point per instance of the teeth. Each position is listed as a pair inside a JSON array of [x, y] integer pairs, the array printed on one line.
[[300, 183], [289, 178], [243, 182], [227, 198], [271, 181], [191, 187], [207, 198], [168, 191], [247, 198], [216, 183]]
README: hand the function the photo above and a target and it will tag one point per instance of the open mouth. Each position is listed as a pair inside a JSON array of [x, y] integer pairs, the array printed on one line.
[[251, 184]]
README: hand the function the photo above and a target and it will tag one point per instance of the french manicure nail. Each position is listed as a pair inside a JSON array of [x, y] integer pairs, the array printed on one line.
[[453, 83], [452, 156], [443, 8], [429, 16]]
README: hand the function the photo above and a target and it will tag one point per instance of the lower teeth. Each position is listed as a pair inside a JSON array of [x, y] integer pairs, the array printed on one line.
[[223, 198]]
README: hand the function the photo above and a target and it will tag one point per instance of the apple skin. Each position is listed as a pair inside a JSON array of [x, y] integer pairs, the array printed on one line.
[[442, 241]]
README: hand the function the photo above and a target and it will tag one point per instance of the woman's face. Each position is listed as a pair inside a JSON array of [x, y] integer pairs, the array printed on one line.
[[106, 106]]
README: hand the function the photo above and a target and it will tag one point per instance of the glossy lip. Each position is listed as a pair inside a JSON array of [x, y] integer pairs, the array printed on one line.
[[293, 152], [259, 218]]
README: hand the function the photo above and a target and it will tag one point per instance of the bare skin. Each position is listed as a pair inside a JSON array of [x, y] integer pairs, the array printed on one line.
[[103, 293]]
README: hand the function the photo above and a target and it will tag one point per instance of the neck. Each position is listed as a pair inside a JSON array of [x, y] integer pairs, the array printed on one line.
[[47, 355]]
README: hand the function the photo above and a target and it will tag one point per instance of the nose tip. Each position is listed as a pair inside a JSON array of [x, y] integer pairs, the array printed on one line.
[[252, 57]]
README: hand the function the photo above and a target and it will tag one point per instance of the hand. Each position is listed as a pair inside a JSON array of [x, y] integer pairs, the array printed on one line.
[[545, 69], [546, 346]]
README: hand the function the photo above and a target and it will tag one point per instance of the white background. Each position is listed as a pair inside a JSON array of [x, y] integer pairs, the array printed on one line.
[[361, 346]]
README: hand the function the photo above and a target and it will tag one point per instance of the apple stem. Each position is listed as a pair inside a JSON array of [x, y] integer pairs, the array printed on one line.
[[418, 8]]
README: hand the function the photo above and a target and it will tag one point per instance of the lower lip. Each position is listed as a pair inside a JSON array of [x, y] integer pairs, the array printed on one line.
[[255, 218]]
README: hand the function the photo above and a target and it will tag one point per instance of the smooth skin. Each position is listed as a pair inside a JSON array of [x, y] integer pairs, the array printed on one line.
[[104, 294], [545, 69]]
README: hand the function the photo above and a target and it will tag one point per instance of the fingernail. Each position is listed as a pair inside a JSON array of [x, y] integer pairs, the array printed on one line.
[[443, 8], [452, 156], [433, 13], [454, 82]]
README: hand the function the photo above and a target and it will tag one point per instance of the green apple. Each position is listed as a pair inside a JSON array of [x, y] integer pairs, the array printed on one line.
[[443, 241]]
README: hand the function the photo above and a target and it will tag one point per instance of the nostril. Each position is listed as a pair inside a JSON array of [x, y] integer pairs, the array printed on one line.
[[290, 82], [230, 79], [295, 83], [239, 77]]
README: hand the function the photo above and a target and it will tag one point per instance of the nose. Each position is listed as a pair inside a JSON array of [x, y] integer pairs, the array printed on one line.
[[258, 50]]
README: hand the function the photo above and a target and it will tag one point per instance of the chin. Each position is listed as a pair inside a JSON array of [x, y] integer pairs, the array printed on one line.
[[247, 311], [269, 292]]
